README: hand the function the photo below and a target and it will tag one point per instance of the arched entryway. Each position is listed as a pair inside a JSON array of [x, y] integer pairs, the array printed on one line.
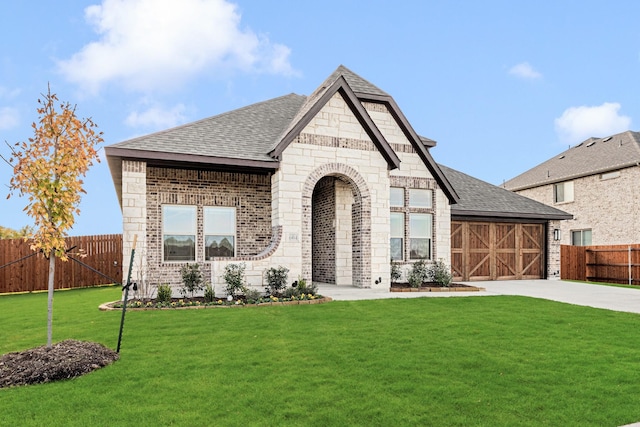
[[336, 226]]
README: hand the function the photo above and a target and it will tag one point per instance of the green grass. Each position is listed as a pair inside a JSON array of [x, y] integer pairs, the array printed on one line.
[[481, 361]]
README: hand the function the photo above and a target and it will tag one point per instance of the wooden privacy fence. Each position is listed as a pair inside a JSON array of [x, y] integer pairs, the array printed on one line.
[[24, 273], [602, 263]]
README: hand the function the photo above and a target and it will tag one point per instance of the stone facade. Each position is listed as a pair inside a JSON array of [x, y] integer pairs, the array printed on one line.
[[134, 217], [609, 207]]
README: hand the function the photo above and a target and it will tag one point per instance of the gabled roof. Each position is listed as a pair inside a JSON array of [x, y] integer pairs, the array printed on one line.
[[590, 157], [483, 200], [313, 105], [255, 136]]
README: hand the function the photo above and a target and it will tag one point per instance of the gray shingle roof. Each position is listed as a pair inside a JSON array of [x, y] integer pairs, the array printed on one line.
[[481, 199], [245, 133], [593, 156]]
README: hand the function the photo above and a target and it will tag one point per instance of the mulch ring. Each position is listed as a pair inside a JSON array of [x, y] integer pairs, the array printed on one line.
[[432, 287], [64, 360]]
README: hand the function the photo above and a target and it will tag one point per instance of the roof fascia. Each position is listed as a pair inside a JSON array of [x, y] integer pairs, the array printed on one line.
[[189, 159], [415, 141], [576, 176], [515, 215], [341, 86]]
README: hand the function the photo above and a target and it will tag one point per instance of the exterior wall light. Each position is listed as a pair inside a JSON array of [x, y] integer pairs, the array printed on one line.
[[557, 235]]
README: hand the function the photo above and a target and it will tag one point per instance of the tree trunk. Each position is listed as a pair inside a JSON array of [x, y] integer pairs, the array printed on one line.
[[52, 272]]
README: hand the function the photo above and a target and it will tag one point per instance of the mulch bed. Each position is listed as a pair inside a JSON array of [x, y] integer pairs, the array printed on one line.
[[64, 360], [433, 287]]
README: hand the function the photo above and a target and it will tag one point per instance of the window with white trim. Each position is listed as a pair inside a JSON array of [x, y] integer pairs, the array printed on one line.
[[219, 232], [581, 237], [563, 192], [179, 233], [420, 198], [420, 225], [396, 199], [397, 236]]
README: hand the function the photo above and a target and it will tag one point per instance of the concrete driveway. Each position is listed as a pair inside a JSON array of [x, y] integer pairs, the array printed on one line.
[[607, 297]]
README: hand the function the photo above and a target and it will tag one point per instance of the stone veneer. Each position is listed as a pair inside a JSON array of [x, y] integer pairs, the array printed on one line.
[[134, 217]]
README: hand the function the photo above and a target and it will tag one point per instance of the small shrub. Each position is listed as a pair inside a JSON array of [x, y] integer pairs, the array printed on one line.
[[300, 287], [396, 272], [252, 295], [209, 293], [441, 273], [418, 274], [276, 280], [192, 279], [291, 292], [304, 288], [164, 294], [234, 278]]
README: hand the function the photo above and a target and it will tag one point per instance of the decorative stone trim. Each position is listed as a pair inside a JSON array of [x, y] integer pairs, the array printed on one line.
[[336, 142], [403, 148]]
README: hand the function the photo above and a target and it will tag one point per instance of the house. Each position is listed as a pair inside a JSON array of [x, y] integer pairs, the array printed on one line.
[[332, 186], [597, 182]]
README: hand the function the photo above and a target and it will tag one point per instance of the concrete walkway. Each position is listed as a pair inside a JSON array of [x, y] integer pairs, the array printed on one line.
[[607, 297]]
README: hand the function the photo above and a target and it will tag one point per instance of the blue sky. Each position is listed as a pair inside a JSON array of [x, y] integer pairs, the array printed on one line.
[[501, 85]]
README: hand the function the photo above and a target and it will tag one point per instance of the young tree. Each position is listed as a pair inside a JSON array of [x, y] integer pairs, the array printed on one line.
[[48, 169]]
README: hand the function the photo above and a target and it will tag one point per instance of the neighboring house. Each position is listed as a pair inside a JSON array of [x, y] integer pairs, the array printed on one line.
[[332, 186], [597, 181]]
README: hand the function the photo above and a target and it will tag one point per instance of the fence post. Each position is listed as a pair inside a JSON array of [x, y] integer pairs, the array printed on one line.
[[630, 273]]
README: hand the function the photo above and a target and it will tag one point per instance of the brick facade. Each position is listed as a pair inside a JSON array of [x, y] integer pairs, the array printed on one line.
[[249, 194], [608, 207], [323, 233]]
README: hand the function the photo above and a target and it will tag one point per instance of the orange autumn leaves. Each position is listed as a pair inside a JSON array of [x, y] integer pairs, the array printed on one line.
[[49, 168]]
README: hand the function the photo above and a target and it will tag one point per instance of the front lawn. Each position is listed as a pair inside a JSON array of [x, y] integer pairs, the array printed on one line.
[[486, 361]]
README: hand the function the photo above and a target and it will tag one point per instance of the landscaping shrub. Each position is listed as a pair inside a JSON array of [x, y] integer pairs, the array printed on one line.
[[418, 274], [396, 272], [276, 280], [164, 294], [192, 279], [441, 273], [234, 279], [304, 288], [252, 295], [209, 293]]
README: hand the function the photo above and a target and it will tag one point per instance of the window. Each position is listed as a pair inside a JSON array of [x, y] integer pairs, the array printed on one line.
[[397, 236], [219, 232], [179, 233], [397, 197], [419, 198], [420, 236], [563, 192], [581, 237]]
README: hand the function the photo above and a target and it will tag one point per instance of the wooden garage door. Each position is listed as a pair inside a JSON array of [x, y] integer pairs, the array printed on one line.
[[496, 251]]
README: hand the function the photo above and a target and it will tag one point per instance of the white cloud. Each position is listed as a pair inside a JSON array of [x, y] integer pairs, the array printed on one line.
[[9, 118], [155, 44], [579, 123], [525, 70], [157, 117]]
